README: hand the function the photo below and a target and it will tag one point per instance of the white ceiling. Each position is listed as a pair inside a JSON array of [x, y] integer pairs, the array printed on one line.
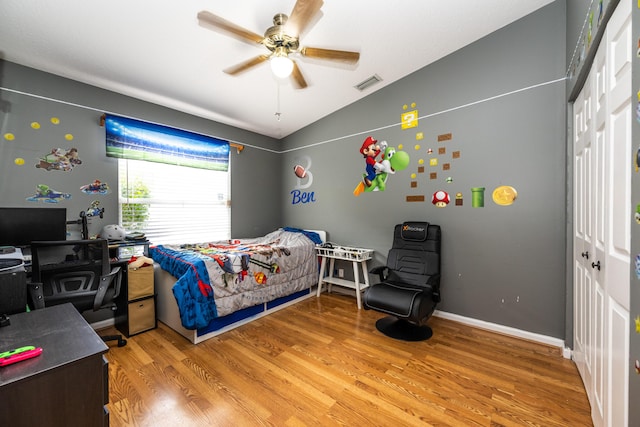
[[157, 52]]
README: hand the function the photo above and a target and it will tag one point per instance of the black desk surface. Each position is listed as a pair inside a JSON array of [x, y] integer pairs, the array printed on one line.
[[64, 335]]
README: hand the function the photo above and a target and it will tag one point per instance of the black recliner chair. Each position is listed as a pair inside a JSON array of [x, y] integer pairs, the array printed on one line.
[[409, 287]]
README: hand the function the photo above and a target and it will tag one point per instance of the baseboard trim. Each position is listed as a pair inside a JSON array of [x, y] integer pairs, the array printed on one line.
[[102, 324], [494, 327], [507, 330]]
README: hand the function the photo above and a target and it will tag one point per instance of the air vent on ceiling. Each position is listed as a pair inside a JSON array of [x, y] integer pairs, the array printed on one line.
[[368, 82]]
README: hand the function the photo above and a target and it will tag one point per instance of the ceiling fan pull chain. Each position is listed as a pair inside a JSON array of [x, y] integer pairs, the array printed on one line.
[[278, 113]]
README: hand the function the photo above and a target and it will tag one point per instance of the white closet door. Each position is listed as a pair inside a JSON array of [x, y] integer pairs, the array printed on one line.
[[617, 255], [599, 224], [582, 352], [602, 220]]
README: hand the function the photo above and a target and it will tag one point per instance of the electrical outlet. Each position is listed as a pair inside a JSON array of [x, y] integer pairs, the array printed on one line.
[[341, 272]]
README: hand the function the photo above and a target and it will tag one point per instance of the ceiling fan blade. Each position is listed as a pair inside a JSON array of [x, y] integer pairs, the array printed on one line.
[[331, 54], [214, 22], [297, 77], [301, 15], [246, 65]]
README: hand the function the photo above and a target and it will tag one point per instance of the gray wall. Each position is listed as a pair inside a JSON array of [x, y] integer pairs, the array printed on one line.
[[500, 264], [79, 107]]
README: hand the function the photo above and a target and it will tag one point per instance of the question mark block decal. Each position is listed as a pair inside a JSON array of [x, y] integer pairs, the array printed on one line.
[[409, 119]]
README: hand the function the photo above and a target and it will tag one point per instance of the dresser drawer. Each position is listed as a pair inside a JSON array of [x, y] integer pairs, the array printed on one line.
[[140, 282], [142, 315]]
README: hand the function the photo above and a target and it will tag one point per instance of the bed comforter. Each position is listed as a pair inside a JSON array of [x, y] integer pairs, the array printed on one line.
[[218, 278]]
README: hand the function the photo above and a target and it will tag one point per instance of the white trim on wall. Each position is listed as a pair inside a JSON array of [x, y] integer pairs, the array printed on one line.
[[506, 330]]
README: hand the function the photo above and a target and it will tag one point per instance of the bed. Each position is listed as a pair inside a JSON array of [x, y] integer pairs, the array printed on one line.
[[209, 288]]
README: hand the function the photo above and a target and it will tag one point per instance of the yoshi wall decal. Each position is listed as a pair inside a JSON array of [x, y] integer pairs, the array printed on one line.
[[377, 172]]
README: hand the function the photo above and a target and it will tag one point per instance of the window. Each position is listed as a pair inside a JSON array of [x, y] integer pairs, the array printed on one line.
[[173, 204], [173, 185]]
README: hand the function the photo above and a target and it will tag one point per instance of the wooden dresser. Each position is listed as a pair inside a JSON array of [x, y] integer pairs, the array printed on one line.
[[67, 385]]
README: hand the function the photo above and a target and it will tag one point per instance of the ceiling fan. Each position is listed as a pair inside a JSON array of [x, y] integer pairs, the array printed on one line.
[[282, 39]]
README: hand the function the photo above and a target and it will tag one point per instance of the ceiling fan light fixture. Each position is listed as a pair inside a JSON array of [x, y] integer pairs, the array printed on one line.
[[281, 39], [281, 66]]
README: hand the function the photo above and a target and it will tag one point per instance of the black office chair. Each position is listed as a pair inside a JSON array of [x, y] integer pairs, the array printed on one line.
[[75, 271], [409, 287]]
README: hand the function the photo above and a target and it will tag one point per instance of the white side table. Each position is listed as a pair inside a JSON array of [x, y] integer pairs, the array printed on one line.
[[356, 256]]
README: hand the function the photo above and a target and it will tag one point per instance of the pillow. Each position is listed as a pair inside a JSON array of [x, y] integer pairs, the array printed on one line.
[[414, 231]]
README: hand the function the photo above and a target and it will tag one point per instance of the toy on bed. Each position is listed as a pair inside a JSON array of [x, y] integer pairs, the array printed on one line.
[[204, 289]]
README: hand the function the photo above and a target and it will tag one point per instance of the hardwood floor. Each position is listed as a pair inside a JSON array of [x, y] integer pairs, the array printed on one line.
[[322, 362]]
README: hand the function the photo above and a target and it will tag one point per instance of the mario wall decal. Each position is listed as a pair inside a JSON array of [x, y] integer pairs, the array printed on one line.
[[377, 171], [370, 150], [96, 187]]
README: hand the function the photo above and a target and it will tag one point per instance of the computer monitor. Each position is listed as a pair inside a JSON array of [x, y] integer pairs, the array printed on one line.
[[20, 226]]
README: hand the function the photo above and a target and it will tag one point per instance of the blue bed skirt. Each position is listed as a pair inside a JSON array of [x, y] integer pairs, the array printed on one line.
[[224, 321]]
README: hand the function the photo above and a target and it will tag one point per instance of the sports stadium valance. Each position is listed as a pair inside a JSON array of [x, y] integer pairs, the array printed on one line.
[[136, 140]]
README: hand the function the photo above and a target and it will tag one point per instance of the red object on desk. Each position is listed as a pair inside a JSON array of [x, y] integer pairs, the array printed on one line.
[[18, 357]]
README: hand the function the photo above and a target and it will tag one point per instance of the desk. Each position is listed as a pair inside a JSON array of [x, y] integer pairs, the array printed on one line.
[[356, 256], [67, 385]]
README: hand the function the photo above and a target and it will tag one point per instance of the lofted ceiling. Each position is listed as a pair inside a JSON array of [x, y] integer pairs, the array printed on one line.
[[157, 51]]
